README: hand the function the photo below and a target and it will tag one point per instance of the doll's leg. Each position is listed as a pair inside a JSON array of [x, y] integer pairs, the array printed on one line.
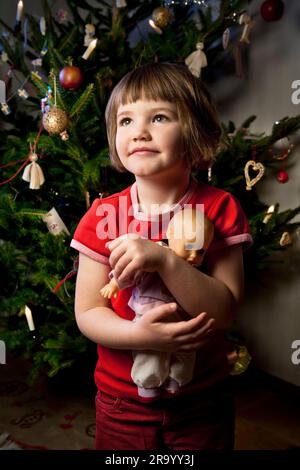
[[181, 370], [149, 371]]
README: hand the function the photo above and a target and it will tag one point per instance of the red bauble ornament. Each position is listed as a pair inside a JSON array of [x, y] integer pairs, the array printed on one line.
[[70, 77], [272, 10], [282, 176]]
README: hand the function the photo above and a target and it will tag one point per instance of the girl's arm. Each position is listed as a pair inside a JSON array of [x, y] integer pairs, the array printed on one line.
[[218, 293], [96, 319]]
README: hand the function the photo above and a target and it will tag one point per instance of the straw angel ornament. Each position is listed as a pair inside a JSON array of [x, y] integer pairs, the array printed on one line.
[[33, 173], [197, 60]]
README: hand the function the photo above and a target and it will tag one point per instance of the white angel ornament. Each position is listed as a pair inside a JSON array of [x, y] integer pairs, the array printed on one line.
[[197, 60]]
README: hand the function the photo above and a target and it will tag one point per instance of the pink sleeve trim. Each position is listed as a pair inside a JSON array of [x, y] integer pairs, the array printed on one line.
[[244, 238], [88, 252]]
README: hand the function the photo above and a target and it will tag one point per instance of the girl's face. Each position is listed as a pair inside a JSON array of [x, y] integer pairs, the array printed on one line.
[[149, 138]]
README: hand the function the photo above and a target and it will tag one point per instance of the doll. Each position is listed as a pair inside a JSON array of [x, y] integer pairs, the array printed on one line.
[[152, 370]]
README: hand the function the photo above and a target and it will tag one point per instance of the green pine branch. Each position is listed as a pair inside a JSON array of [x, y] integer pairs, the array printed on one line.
[[82, 102]]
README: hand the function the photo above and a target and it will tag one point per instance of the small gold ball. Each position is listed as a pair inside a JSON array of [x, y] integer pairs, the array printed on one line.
[[55, 120]]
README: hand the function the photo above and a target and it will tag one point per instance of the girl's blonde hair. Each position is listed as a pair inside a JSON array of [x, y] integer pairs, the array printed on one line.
[[201, 128]]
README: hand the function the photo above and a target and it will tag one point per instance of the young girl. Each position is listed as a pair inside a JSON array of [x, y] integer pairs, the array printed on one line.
[[189, 235], [161, 124]]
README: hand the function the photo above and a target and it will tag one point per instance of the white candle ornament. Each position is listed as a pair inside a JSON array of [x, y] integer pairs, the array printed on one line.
[[90, 49], [2, 92], [19, 11], [29, 318], [43, 25], [269, 214]]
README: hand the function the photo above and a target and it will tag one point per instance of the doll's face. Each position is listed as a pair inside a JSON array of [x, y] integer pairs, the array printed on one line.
[[190, 235], [191, 255]]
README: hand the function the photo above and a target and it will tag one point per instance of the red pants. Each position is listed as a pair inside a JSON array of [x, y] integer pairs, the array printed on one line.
[[204, 422]]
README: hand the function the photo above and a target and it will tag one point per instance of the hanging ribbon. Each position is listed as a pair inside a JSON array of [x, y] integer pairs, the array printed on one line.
[[33, 171], [239, 68], [25, 33], [17, 172], [68, 276]]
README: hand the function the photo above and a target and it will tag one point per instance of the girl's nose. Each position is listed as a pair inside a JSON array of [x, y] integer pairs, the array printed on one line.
[[141, 133]]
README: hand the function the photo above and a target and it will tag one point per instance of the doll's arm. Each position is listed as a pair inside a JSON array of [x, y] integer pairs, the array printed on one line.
[[110, 289]]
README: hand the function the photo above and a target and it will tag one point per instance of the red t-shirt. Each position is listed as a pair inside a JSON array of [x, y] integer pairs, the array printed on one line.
[[118, 214]]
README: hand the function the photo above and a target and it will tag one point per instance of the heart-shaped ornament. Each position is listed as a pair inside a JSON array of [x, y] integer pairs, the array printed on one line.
[[255, 167]]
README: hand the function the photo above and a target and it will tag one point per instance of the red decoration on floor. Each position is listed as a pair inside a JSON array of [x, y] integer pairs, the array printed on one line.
[[69, 418], [65, 425], [26, 446]]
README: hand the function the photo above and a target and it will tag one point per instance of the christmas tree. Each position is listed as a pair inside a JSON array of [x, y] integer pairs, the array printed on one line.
[[57, 72]]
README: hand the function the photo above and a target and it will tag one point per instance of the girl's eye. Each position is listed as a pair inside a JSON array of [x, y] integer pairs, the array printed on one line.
[[160, 118], [125, 121]]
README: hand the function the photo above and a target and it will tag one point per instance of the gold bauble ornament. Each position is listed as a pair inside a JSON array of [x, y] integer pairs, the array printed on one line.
[[161, 17], [55, 120]]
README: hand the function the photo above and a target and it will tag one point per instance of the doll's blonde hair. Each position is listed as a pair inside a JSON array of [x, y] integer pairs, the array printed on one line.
[[201, 128]]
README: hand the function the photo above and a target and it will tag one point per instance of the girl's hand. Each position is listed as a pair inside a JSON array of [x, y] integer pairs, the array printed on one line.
[[154, 332], [131, 253]]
